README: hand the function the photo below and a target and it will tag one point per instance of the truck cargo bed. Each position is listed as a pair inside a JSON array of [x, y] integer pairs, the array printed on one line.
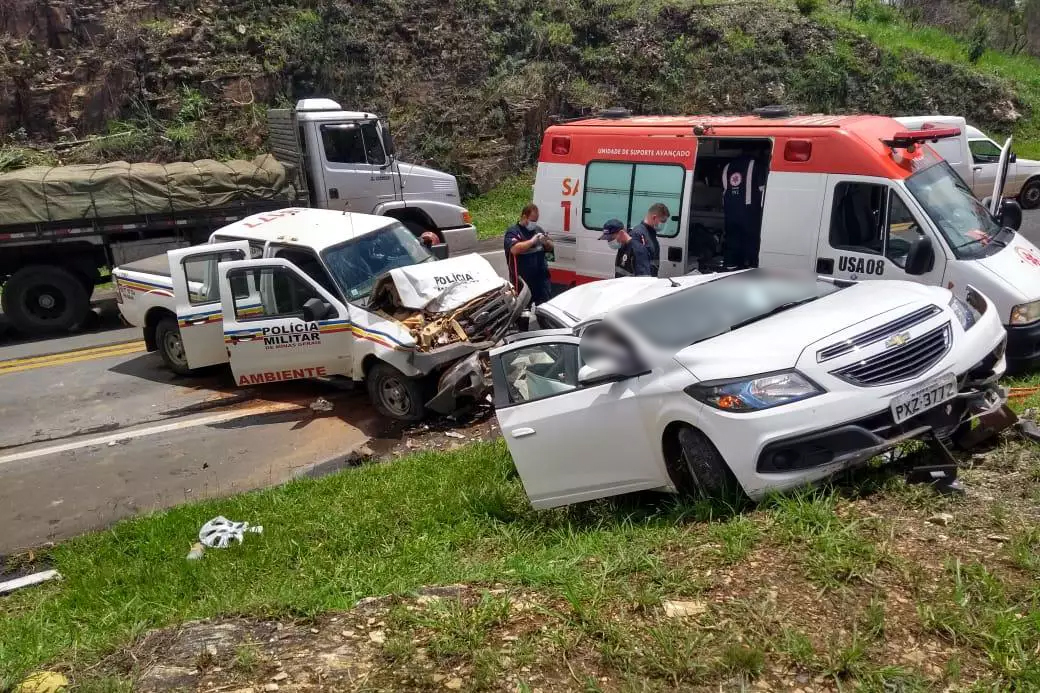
[[158, 265]]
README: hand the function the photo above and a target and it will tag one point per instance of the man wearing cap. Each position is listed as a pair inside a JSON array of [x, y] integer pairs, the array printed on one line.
[[525, 246], [635, 253]]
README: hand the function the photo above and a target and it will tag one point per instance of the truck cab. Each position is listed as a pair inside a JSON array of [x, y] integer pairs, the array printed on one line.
[[346, 161], [854, 198]]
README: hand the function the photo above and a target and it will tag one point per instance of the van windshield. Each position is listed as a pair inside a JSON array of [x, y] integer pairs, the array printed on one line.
[[357, 264], [964, 222]]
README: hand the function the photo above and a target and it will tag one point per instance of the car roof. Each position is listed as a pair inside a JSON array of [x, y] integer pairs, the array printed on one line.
[[313, 228], [598, 298], [975, 134]]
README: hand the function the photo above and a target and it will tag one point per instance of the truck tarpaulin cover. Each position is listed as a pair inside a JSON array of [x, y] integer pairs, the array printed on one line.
[[118, 189], [437, 287]]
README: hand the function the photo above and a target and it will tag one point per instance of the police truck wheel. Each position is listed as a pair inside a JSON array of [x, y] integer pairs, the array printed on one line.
[[171, 347], [1029, 197], [698, 469], [396, 395], [40, 299]]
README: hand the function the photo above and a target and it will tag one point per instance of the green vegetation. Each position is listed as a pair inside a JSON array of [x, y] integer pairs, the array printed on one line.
[[499, 208], [796, 586], [887, 28]]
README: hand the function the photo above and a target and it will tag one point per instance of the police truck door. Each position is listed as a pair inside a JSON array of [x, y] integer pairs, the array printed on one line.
[[867, 229], [196, 291], [300, 331]]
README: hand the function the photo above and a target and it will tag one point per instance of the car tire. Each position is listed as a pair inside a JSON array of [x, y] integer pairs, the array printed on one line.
[[395, 395], [1029, 195], [170, 346], [43, 299], [699, 471]]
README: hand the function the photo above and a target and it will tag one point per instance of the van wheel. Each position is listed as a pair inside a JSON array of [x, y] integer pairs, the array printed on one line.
[[698, 470], [395, 395], [40, 299], [171, 347], [1029, 196]]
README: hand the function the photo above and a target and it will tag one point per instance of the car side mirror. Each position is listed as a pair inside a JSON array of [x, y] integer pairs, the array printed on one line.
[[921, 256], [1013, 158], [604, 371], [315, 309], [439, 251], [388, 140], [1010, 215]]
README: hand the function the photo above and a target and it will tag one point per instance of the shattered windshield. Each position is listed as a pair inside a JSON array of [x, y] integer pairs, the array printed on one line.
[[357, 264], [707, 310], [964, 222]]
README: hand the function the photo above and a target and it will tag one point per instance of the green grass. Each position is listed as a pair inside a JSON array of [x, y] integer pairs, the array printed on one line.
[[1022, 71], [499, 208]]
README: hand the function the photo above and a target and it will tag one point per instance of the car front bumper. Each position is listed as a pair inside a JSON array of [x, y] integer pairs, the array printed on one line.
[[1023, 347]]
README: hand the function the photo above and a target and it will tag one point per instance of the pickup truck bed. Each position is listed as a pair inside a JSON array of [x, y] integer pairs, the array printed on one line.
[[157, 265]]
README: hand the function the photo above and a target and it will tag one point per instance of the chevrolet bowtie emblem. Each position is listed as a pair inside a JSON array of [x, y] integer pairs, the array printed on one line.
[[897, 340]]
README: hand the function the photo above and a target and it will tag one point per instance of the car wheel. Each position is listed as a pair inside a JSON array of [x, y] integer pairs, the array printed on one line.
[[395, 395], [698, 469], [1029, 196], [171, 347]]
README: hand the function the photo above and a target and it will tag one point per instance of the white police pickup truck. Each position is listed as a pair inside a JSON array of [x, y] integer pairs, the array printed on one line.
[[304, 293]]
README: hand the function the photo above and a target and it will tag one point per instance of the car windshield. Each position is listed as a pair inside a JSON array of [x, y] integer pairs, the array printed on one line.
[[707, 310], [964, 222], [357, 264]]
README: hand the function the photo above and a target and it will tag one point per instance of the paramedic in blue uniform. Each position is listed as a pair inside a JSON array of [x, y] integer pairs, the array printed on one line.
[[654, 221], [525, 246], [743, 190], [634, 252]]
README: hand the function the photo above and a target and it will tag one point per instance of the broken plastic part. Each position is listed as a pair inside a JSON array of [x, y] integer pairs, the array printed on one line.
[[219, 532]]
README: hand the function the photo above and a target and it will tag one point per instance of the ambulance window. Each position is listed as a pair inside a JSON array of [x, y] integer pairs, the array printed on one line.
[[282, 294], [903, 230], [626, 191], [857, 217]]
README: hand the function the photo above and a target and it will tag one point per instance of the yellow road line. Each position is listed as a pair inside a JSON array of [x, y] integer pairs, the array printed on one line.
[[26, 364]]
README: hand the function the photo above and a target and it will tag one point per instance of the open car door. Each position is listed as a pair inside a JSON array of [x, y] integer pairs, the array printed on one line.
[[279, 324], [570, 443], [1001, 178], [196, 291]]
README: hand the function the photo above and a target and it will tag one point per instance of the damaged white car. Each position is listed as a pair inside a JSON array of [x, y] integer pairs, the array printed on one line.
[[305, 293], [737, 383]]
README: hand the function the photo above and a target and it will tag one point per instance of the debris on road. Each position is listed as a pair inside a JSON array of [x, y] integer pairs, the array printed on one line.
[[220, 531], [28, 581], [196, 552], [454, 434], [680, 609], [941, 519], [322, 405]]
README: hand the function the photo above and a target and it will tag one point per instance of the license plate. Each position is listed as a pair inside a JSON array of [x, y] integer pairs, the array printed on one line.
[[909, 404]]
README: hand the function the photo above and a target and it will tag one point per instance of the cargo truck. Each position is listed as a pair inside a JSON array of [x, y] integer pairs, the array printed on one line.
[[59, 225]]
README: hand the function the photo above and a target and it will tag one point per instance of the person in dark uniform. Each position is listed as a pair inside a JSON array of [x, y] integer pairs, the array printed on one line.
[[743, 185], [634, 252], [656, 218], [525, 247]]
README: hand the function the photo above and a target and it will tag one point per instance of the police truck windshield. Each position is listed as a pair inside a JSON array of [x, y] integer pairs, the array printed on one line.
[[357, 264], [966, 224]]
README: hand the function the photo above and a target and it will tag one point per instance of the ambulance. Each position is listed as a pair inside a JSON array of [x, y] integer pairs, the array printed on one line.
[[849, 197]]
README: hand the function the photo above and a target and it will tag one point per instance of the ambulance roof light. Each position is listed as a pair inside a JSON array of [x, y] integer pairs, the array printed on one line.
[[774, 112], [908, 138], [561, 145], [798, 151], [615, 113]]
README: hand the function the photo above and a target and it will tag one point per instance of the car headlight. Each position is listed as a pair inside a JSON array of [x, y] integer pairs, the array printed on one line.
[[755, 394], [966, 315], [1025, 313]]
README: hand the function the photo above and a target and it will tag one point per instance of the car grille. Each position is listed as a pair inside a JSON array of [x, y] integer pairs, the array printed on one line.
[[877, 334], [900, 363]]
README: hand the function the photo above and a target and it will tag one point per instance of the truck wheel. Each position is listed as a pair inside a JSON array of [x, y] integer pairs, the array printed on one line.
[[40, 299], [171, 347], [698, 469], [1029, 196], [396, 395]]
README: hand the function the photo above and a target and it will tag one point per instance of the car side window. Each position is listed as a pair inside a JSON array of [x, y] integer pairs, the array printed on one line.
[[200, 271], [984, 151], [282, 293], [539, 371], [857, 217], [309, 264], [373, 145]]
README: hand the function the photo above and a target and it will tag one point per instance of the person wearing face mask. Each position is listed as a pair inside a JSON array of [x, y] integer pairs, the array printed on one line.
[[525, 246], [654, 221], [634, 252]]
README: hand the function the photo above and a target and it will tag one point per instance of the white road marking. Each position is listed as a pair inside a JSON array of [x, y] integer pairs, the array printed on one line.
[[268, 408]]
